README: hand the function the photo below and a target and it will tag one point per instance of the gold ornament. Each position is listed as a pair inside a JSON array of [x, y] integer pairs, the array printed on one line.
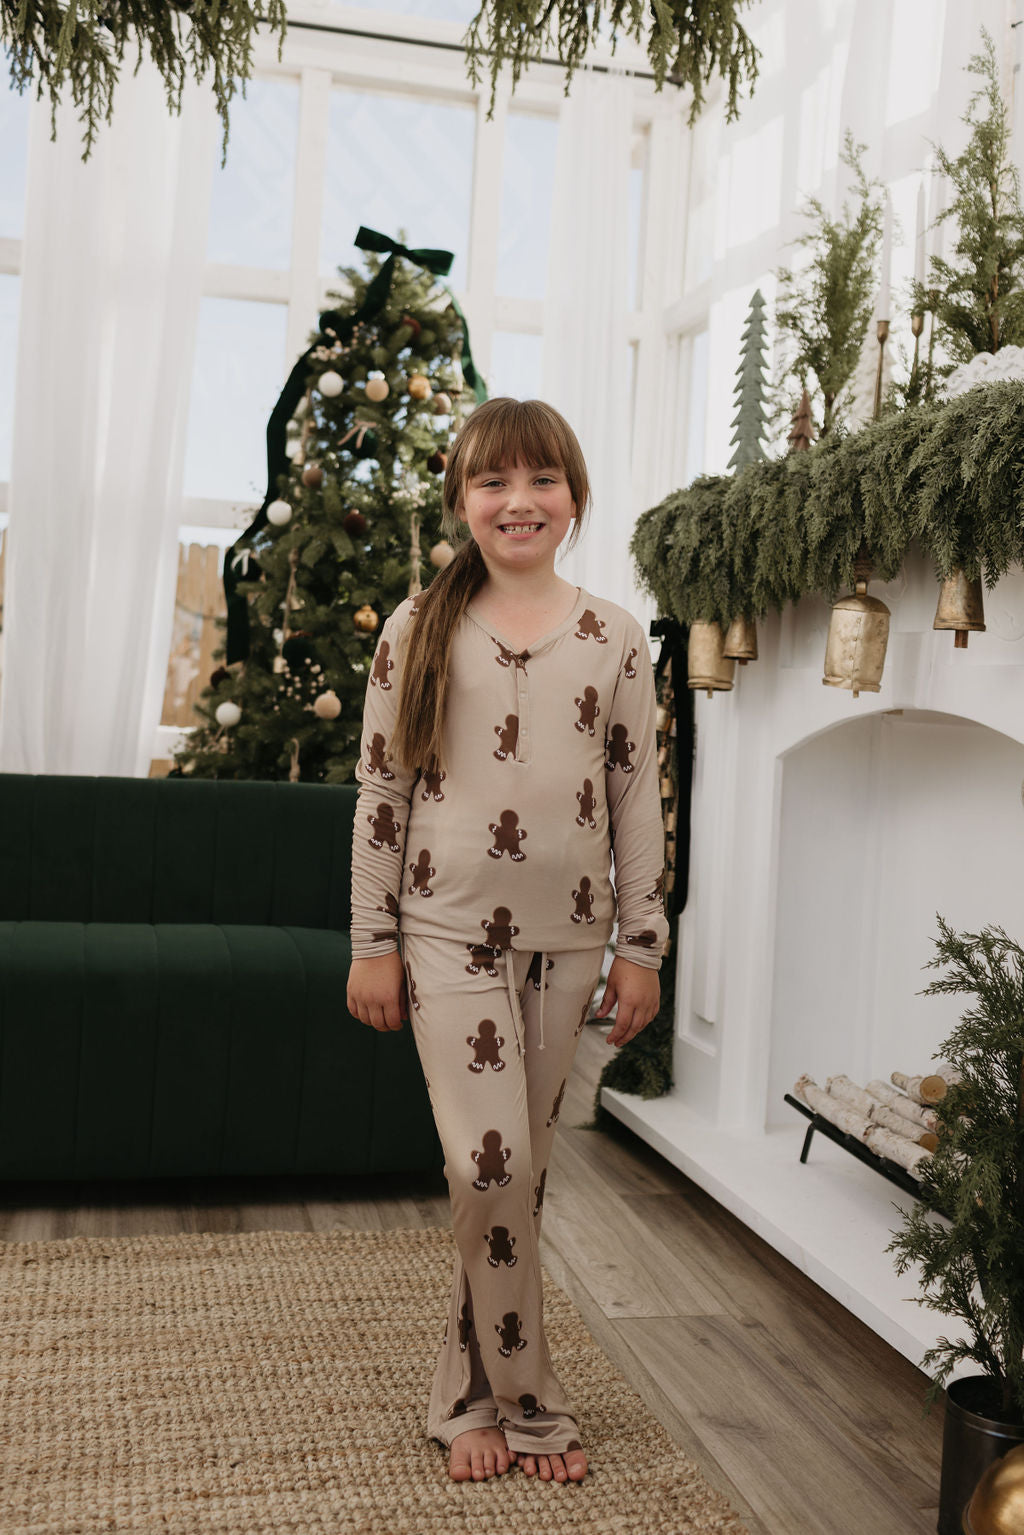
[[366, 619], [997, 1507], [741, 640], [327, 706], [442, 404], [858, 634], [313, 476], [419, 386], [442, 554], [708, 668], [960, 607], [377, 388]]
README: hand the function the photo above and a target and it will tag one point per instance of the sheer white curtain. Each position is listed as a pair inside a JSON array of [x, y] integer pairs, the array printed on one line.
[[585, 313], [113, 256]]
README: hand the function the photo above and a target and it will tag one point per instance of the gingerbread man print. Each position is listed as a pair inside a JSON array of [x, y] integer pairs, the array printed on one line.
[[584, 901], [465, 1323], [618, 746], [508, 737], [533, 974], [432, 785], [390, 906], [422, 872], [509, 1334], [589, 710], [506, 657], [482, 957], [507, 834], [629, 670], [378, 762], [490, 1162], [411, 988], [500, 929], [382, 664], [385, 828], [501, 1245], [588, 804], [485, 1045], [556, 1107], [645, 940], [538, 1193], [530, 1405], [590, 626]]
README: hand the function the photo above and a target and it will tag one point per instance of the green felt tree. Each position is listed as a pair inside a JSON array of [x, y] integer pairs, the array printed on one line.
[[359, 510], [688, 41], [750, 421], [824, 307], [978, 293], [971, 1260]]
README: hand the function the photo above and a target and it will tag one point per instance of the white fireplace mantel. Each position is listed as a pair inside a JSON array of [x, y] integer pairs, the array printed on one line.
[[827, 831]]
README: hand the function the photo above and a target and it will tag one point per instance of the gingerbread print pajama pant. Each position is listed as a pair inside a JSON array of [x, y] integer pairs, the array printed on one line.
[[496, 1033]]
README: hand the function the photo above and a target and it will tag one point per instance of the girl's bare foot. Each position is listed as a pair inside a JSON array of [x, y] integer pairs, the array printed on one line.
[[477, 1454], [571, 1466]]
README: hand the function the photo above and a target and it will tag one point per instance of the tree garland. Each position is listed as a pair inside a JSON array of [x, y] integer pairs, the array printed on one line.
[[82, 43], [687, 40]]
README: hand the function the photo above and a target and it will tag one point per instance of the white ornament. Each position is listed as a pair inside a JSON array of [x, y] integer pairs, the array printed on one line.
[[228, 714], [328, 705], [330, 384], [279, 512], [376, 387]]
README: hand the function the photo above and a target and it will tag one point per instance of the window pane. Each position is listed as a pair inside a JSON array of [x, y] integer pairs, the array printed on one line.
[[14, 138], [239, 373], [397, 163], [515, 365], [9, 291], [439, 10], [527, 190], [251, 205]]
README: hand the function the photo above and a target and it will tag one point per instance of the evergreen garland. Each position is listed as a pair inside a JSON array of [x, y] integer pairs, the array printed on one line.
[[971, 1261], [824, 308], [82, 43], [687, 40]]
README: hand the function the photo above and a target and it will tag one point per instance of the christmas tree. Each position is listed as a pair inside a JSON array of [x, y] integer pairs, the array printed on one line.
[[801, 433], [345, 532], [978, 295], [750, 420]]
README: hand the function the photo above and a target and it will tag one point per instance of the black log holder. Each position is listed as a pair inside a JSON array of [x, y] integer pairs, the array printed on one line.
[[891, 1170]]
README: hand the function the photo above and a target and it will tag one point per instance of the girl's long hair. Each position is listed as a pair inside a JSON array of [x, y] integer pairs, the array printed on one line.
[[499, 434]]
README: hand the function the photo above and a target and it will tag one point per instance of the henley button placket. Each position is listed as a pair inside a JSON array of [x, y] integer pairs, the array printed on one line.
[[523, 751]]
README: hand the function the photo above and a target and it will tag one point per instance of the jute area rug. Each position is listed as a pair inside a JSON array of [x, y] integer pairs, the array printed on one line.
[[277, 1381]]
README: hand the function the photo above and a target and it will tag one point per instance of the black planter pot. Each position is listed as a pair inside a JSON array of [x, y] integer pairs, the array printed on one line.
[[973, 1436]]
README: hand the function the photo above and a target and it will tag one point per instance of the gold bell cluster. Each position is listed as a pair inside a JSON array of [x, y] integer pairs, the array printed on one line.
[[858, 634], [997, 1506]]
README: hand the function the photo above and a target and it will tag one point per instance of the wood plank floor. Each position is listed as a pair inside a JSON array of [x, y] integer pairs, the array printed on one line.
[[802, 1416]]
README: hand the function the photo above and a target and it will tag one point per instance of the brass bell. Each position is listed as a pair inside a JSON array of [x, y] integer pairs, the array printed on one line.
[[960, 607], [741, 640], [706, 665], [997, 1506], [858, 633]]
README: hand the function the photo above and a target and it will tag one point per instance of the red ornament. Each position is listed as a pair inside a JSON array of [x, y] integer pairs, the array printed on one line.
[[407, 319], [355, 523], [436, 462]]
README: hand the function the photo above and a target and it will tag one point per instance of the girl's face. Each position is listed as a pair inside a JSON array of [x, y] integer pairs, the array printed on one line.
[[518, 515]]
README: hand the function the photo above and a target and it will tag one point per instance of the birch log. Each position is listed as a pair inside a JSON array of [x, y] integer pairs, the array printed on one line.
[[902, 1104], [886, 1144], [883, 1115], [912, 1086], [833, 1109], [849, 1092]]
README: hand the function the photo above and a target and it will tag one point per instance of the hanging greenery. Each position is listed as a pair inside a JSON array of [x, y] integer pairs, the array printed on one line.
[[947, 477], [81, 44], [978, 294], [687, 40], [824, 307]]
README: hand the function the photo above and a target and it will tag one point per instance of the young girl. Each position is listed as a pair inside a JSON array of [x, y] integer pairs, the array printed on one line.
[[508, 747]]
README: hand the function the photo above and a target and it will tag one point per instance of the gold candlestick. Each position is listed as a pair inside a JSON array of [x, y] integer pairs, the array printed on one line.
[[916, 327], [882, 332]]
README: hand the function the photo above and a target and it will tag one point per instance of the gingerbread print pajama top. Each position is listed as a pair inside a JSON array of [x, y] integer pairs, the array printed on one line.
[[500, 880]]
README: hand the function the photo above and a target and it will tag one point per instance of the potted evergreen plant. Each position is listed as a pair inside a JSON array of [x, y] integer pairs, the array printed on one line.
[[967, 1232]]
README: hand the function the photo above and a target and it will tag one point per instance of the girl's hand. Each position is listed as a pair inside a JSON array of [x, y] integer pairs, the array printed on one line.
[[376, 991], [637, 991]]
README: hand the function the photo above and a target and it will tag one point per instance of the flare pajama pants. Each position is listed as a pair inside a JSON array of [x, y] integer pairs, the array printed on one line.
[[496, 1032]]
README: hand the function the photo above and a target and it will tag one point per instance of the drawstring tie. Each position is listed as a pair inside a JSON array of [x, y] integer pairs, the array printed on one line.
[[513, 1001]]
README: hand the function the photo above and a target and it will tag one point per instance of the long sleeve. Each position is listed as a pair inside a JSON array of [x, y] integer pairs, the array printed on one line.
[[634, 808], [382, 806]]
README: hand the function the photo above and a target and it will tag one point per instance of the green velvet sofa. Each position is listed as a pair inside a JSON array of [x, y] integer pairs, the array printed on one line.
[[173, 965]]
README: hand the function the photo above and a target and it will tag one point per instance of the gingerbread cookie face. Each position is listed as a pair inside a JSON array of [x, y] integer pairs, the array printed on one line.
[[508, 737], [382, 665], [422, 872], [507, 834], [509, 1333], [618, 747], [584, 902], [588, 804], [589, 711], [501, 1245], [490, 1162], [590, 627], [485, 1045], [378, 760], [386, 830]]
